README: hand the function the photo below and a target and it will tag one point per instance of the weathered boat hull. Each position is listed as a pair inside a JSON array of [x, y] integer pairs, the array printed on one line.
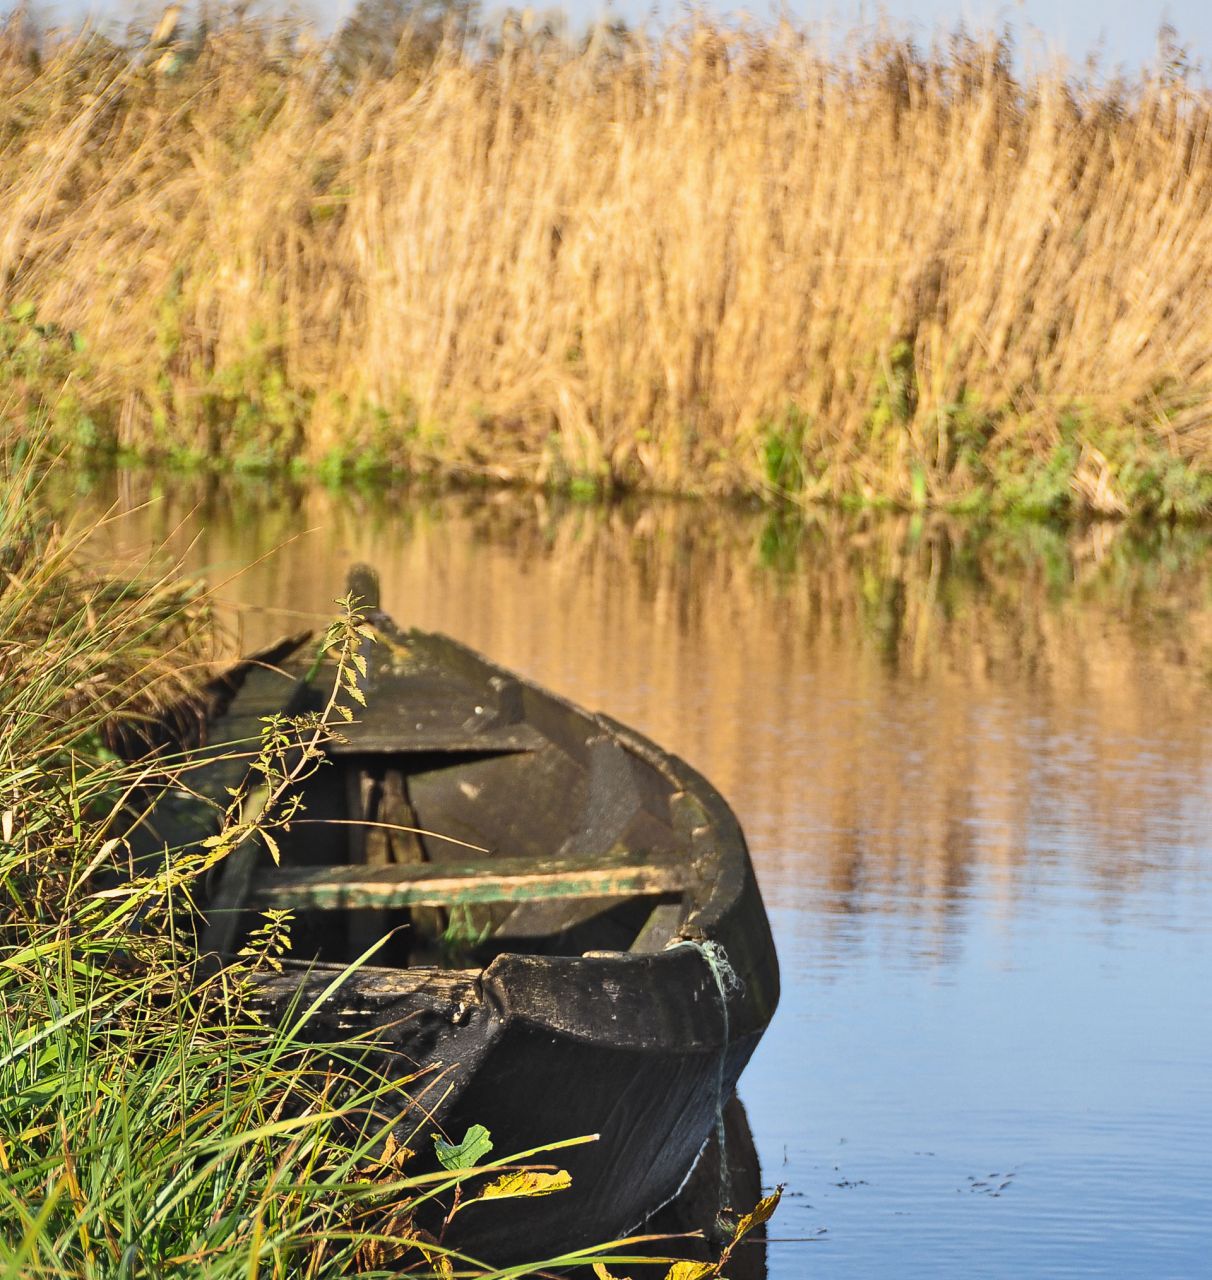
[[540, 1037]]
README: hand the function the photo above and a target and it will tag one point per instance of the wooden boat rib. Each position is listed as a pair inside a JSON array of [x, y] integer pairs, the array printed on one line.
[[613, 968]]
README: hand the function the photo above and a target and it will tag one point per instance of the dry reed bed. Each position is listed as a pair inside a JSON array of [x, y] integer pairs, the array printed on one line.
[[719, 262]]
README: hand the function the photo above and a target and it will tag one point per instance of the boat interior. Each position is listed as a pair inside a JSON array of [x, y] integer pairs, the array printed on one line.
[[460, 816]]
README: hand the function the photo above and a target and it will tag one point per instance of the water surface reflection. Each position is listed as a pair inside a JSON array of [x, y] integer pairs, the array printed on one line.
[[974, 771]]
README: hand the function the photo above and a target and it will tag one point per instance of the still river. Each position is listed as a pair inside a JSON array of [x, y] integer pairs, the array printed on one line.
[[976, 775]]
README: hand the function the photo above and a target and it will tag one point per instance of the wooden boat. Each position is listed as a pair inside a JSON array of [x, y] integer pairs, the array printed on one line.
[[575, 941]]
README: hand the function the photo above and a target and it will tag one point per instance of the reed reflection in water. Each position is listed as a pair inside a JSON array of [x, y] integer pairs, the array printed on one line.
[[974, 771]]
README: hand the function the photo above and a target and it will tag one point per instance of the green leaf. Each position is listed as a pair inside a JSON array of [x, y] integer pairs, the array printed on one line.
[[475, 1146]]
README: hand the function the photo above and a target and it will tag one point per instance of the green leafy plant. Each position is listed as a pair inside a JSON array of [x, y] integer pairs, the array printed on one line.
[[43, 368]]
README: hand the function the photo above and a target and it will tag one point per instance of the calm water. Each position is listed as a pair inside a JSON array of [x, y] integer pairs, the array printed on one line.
[[976, 776]]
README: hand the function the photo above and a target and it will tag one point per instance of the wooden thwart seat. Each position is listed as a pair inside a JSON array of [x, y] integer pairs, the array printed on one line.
[[464, 884]]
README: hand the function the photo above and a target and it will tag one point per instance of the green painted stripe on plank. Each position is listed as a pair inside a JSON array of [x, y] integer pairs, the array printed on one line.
[[499, 880]]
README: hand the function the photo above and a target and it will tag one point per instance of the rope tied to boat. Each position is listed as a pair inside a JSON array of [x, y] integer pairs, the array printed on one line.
[[727, 982], [726, 977]]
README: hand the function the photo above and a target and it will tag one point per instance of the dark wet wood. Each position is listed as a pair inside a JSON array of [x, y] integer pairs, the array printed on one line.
[[386, 836], [418, 698], [416, 708], [725, 1184], [660, 929], [550, 918], [363, 587]]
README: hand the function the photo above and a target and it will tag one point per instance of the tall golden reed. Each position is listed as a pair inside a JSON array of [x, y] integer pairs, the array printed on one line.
[[717, 261]]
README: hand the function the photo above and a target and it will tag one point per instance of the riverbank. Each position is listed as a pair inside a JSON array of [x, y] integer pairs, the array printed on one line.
[[712, 262]]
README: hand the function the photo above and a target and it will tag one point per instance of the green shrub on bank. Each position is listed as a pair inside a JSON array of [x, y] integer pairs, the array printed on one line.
[[44, 376]]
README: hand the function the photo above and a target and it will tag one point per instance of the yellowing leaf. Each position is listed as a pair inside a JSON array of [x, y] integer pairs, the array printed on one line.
[[527, 1182], [602, 1274], [761, 1213], [692, 1271], [272, 845], [394, 1155], [435, 1255], [357, 695]]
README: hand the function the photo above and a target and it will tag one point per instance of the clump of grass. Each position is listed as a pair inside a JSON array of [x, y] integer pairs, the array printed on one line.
[[149, 1125], [82, 650], [622, 261]]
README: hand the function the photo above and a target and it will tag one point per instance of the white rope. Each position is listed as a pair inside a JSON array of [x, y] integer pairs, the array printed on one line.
[[727, 981]]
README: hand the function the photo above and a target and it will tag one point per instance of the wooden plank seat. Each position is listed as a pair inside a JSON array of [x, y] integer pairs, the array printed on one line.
[[431, 884]]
